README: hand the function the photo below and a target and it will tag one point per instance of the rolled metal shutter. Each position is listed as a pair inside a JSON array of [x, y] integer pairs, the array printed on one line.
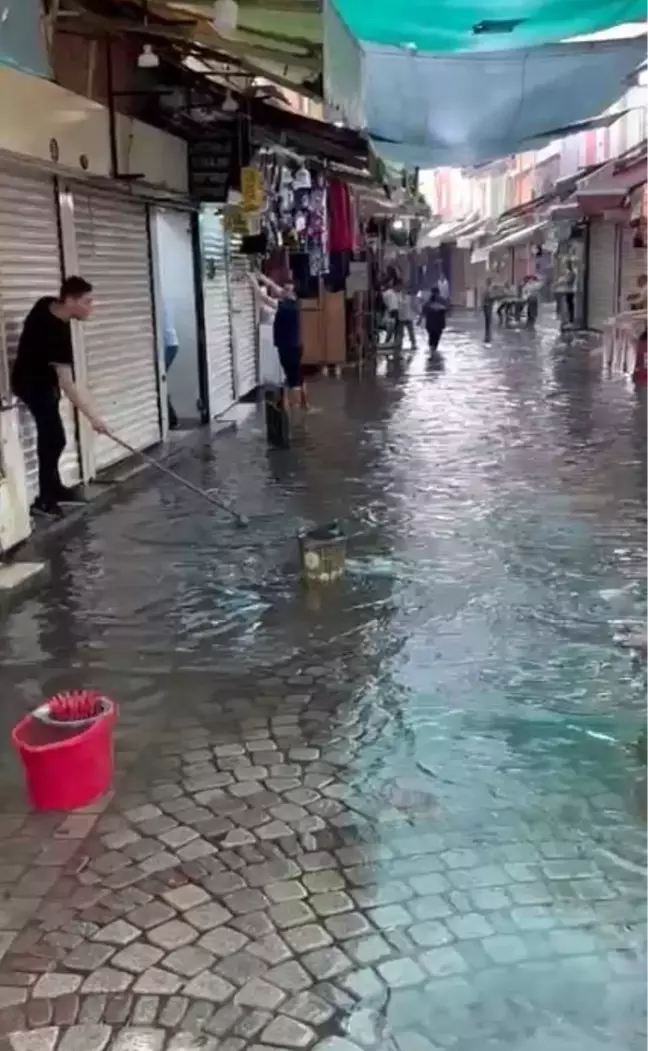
[[632, 265], [121, 369], [602, 273], [30, 267], [244, 321], [218, 332]]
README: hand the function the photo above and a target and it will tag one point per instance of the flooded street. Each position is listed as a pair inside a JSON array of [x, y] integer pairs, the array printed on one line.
[[402, 812]]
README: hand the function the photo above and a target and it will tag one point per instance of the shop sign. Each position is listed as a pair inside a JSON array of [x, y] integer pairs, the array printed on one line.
[[252, 190], [211, 163]]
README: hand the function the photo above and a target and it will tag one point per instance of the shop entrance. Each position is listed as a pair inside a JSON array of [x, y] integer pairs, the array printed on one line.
[[175, 296]]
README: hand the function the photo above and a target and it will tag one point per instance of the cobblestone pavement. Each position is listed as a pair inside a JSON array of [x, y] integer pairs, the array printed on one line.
[[396, 815]]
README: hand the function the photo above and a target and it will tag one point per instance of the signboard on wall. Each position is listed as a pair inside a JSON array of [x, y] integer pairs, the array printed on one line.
[[213, 164]]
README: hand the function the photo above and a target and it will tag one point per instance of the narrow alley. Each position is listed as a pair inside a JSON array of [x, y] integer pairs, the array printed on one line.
[[402, 812]]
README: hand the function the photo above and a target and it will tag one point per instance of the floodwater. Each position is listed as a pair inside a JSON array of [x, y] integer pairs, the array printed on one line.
[[465, 670]]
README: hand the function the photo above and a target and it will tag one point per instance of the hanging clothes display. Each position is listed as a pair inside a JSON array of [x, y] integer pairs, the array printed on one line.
[[341, 237], [295, 218]]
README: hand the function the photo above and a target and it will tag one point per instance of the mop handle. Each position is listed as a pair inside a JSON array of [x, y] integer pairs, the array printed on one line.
[[176, 477]]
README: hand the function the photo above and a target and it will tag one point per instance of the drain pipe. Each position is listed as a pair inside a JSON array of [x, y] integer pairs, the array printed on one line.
[[112, 113]]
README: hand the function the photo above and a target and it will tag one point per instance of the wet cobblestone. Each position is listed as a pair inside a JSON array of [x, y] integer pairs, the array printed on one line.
[[396, 815]]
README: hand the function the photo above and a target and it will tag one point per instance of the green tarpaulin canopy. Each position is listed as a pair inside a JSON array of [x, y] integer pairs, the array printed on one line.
[[449, 25]]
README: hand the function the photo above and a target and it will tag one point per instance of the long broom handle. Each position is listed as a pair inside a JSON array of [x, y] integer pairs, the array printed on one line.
[[179, 479]]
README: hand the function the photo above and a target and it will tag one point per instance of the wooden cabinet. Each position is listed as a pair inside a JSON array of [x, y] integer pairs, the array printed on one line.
[[323, 329], [334, 317], [311, 331]]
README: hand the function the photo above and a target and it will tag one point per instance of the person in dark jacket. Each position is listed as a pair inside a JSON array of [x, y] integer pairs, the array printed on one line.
[[434, 317], [488, 300], [287, 334]]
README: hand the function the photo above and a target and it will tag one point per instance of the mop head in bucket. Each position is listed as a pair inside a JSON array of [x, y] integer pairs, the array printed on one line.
[[73, 710]]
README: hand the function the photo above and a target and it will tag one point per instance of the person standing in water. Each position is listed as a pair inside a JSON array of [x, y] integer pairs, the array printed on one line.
[[42, 370], [443, 287], [287, 334], [406, 318], [434, 317], [488, 302], [171, 348]]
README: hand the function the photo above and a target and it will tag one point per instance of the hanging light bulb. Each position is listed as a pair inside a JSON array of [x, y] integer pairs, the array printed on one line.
[[147, 58], [225, 15], [230, 104]]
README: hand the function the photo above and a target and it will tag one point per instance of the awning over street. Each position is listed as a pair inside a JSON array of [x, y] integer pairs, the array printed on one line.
[[569, 209], [430, 109], [438, 235], [527, 234], [611, 185], [467, 238], [480, 25]]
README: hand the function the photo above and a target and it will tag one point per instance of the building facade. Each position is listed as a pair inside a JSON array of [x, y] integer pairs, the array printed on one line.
[[520, 229]]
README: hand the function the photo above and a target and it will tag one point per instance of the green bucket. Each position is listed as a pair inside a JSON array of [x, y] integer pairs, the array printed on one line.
[[322, 553]]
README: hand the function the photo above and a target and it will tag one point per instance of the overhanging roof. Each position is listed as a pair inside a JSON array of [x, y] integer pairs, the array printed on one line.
[[611, 184], [523, 235], [277, 39], [430, 109], [480, 25]]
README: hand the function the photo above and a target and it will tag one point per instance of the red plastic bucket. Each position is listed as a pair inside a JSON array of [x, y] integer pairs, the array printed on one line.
[[66, 768]]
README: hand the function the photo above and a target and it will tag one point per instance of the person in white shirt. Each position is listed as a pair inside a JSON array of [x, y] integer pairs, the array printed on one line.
[[391, 303], [443, 285], [406, 317], [170, 353]]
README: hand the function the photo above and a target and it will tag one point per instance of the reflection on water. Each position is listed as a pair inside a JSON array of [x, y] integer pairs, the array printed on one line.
[[495, 505]]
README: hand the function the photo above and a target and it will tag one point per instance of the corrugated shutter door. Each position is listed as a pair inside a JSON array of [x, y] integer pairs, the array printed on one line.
[[633, 265], [217, 314], [113, 253], [244, 322], [602, 273], [30, 268]]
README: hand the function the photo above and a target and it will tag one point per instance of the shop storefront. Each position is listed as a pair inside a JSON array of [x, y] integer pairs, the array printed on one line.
[[244, 319], [216, 305], [633, 262], [179, 331], [602, 264], [30, 267], [634, 241], [121, 362]]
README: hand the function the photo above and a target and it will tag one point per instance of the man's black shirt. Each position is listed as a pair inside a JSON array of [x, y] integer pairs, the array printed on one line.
[[45, 341]]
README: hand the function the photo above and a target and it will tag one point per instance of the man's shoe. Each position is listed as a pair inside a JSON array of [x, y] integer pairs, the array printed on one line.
[[68, 494], [47, 508]]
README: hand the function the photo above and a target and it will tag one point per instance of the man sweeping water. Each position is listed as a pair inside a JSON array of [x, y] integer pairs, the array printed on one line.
[[42, 369]]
